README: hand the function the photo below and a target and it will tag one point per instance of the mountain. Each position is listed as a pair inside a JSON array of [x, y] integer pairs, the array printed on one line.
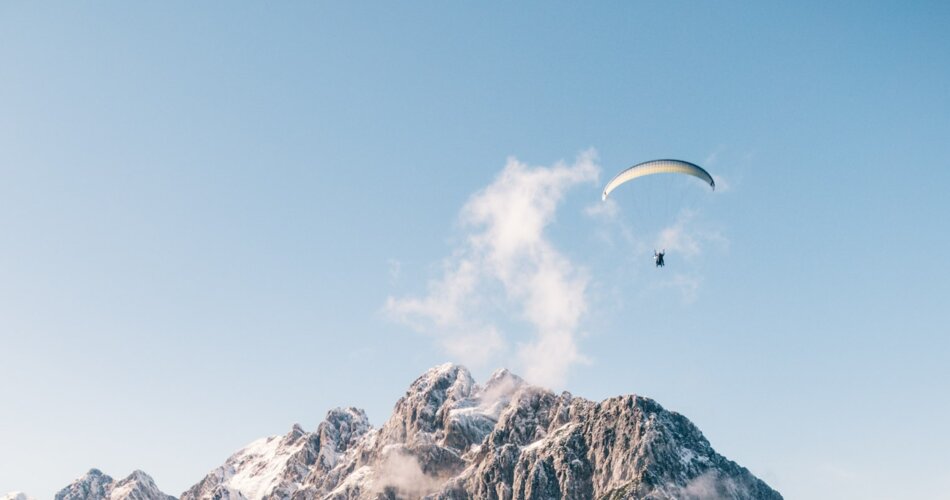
[[450, 438], [275, 467], [16, 495], [98, 486]]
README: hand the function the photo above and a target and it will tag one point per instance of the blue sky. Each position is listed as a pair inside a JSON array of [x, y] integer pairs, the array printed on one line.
[[205, 210]]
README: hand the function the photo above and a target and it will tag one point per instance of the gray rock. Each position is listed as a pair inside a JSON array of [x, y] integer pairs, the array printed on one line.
[[98, 486], [451, 439]]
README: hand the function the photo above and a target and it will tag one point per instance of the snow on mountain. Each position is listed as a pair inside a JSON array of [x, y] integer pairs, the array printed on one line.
[[274, 467], [449, 438], [137, 486], [16, 495], [95, 485]]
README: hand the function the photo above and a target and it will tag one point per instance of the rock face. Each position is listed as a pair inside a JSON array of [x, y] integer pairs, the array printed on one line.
[[98, 486], [452, 439], [275, 467], [449, 438]]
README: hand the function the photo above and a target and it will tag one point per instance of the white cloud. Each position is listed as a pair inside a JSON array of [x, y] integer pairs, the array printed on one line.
[[681, 237], [686, 238], [400, 473], [677, 238], [722, 184], [507, 263], [711, 486], [444, 306]]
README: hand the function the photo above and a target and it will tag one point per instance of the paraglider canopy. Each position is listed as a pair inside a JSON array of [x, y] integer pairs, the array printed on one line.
[[659, 167]]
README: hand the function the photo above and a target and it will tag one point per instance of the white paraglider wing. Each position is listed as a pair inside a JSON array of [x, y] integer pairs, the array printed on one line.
[[659, 167]]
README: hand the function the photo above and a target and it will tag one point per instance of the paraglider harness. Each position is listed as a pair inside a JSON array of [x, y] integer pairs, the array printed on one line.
[[658, 257]]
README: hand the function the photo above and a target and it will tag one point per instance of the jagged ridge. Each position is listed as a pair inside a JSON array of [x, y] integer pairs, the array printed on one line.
[[451, 439], [98, 486]]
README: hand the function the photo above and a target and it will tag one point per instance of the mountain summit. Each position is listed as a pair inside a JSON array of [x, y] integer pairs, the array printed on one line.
[[16, 495], [450, 438], [95, 485]]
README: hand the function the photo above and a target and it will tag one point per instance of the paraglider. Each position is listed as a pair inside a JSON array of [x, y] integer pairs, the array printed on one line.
[[659, 167], [652, 167]]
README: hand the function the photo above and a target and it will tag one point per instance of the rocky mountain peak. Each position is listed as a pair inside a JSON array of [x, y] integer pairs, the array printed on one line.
[[96, 485], [341, 430], [423, 410], [16, 495], [449, 438], [452, 439], [138, 475], [342, 427], [277, 466], [503, 377], [93, 485], [137, 486]]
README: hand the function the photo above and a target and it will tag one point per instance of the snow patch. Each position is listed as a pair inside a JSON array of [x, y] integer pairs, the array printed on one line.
[[16, 495], [258, 468]]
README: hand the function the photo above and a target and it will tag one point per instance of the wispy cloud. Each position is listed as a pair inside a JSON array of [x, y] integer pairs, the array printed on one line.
[[688, 238], [399, 473], [711, 486], [722, 184], [677, 238], [506, 263]]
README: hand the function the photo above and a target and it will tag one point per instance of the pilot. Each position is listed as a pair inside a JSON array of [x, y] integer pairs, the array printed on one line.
[[658, 257]]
